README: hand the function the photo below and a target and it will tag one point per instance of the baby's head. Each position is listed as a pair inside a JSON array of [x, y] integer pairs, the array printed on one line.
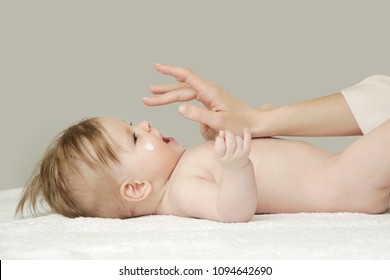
[[103, 167]]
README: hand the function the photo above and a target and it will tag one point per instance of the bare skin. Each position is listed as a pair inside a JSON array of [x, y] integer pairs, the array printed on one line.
[[324, 116], [291, 177], [232, 178], [355, 180]]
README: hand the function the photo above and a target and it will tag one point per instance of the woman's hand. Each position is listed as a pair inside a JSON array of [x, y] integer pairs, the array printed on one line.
[[222, 111]]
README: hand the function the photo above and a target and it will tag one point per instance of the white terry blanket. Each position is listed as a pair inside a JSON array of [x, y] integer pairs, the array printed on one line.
[[281, 236]]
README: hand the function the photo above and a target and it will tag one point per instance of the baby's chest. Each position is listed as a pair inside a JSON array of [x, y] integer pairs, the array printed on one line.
[[201, 163]]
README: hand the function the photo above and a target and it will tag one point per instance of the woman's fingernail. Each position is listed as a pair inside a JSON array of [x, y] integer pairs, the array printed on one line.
[[184, 109]]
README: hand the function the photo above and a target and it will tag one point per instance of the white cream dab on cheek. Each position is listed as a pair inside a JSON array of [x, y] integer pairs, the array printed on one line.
[[149, 147]]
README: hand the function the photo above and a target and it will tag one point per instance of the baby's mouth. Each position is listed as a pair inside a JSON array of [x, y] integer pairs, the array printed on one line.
[[168, 139]]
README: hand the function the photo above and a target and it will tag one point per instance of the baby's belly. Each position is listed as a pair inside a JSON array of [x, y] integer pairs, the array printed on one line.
[[286, 174]]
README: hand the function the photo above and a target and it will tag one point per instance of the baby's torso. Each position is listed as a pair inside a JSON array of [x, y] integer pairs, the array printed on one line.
[[283, 168]]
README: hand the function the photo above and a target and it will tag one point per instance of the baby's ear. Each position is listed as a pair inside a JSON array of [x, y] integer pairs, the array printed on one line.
[[135, 190]]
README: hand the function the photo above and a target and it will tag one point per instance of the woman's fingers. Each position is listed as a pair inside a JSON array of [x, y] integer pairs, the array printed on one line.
[[192, 86], [167, 88], [178, 95], [188, 76], [198, 114]]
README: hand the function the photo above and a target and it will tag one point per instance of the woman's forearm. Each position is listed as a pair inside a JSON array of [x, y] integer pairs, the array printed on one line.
[[324, 116]]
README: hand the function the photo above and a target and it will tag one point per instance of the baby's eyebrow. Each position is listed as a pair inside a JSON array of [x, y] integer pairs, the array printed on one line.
[[128, 122]]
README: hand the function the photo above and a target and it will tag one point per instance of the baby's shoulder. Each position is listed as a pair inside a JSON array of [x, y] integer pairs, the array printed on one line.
[[199, 153], [197, 161], [202, 147]]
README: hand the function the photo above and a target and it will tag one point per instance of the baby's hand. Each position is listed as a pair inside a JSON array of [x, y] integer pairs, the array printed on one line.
[[233, 151]]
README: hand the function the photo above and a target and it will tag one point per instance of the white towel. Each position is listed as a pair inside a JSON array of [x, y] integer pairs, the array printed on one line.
[[279, 236]]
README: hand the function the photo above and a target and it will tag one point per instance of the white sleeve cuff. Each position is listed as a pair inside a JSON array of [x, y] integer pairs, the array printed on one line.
[[369, 101]]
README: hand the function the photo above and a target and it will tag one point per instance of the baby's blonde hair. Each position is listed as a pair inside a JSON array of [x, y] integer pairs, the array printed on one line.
[[85, 142]]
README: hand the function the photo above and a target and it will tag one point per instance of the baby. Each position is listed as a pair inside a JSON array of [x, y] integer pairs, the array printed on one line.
[[104, 167]]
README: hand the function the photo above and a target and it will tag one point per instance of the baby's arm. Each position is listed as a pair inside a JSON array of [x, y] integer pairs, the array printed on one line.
[[233, 196], [237, 195]]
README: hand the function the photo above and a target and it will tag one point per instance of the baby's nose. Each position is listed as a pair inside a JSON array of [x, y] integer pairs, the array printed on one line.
[[146, 125]]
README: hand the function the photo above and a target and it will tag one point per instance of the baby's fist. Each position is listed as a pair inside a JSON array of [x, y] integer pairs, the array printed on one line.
[[233, 151]]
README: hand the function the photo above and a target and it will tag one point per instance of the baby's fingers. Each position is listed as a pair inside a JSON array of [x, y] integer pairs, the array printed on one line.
[[231, 144], [219, 145], [247, 139], [239, 144]]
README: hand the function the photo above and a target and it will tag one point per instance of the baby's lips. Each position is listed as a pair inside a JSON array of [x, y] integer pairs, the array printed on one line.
[[168, 139]]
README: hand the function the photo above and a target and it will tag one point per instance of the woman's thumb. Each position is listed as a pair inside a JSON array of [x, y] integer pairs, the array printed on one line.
[[195, 113]]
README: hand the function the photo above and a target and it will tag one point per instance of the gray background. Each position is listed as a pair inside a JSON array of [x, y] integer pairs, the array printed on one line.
[[61, 61]]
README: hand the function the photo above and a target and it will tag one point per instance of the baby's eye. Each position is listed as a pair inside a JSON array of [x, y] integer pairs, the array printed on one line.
[[135, 137]]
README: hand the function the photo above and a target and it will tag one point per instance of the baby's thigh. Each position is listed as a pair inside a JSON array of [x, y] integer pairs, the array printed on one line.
[[347, 185], [343, 198], [371, 202], [362, 171]]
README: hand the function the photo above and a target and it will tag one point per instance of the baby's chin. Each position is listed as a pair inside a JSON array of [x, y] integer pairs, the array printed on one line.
[[175, 145]]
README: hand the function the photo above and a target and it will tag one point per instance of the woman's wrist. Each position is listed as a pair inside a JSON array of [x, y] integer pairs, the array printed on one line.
[[263, 121]]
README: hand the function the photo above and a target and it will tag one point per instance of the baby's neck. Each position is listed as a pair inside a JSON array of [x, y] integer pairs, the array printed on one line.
[[164, 206]]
